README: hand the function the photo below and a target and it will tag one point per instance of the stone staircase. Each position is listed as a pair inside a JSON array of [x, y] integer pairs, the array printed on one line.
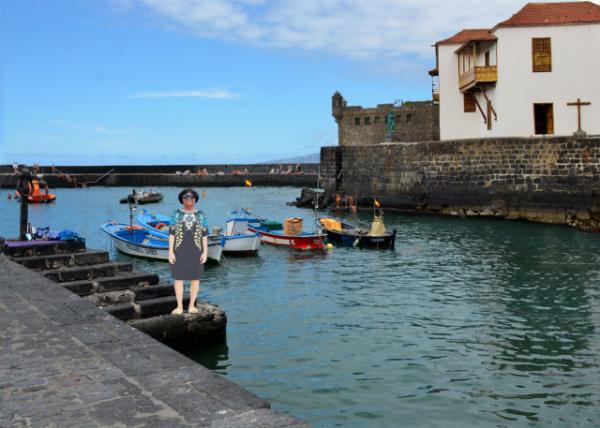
[[138, 298]]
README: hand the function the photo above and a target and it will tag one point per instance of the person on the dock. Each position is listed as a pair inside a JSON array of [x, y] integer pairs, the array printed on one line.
[[188, 248]]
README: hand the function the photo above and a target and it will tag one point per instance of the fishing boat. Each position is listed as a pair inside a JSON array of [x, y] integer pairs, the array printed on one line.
[[239, 240], [290, 234], [143, 197], [158, 226], [36, 196], [351, 235], [137, 241]]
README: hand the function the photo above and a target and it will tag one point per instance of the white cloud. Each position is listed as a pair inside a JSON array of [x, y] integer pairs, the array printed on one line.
[[374, 31], [210, 93]]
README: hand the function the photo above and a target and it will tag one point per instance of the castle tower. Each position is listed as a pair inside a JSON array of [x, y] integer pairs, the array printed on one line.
[[337, 106]]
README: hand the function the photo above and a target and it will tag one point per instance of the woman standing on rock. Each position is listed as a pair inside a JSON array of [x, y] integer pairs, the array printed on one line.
[[188, 248]]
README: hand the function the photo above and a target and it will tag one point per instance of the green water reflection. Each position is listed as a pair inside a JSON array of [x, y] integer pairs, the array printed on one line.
[[468, 323]]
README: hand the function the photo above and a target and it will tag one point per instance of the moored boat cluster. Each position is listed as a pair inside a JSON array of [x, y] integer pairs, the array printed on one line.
[[244, 233]]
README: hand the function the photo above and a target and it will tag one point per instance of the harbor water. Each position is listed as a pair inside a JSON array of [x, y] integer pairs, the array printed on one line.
[[468, 323]]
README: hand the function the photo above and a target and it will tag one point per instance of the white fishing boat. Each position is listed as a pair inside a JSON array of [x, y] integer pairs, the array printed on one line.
[[239, 240], [137, 241]]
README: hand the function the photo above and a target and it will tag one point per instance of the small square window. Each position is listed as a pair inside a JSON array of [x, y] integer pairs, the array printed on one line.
[[357, 121], [469, 102], [541, 53], [408, 118], [367, 120]]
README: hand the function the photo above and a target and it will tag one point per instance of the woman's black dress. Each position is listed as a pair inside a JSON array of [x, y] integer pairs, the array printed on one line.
[[188, 228]]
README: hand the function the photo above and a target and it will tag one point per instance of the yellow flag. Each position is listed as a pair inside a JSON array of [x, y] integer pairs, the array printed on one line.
[[377, 204], [248, 183]]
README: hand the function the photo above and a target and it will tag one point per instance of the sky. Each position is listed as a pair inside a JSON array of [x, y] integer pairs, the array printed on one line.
[[108, 82]]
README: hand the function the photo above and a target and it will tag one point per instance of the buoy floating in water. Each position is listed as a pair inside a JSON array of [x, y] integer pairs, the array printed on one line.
[[329, 247]]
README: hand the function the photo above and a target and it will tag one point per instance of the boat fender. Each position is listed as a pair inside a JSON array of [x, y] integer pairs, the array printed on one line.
[[161, 226]]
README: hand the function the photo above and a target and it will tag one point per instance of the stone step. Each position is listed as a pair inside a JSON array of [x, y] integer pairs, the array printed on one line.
[[81, 288], [185, 330], [17, 249], [126, 280], [153, 291], [159, 306], [121, 281], [55, 261], [123, 311], [145, 308], [79, 273], [112, 298]]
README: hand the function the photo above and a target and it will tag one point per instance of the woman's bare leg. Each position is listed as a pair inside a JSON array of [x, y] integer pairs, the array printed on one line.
[[194, 287], [179, 296]]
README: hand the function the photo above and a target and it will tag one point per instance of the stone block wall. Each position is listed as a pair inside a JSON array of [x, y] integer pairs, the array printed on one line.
[[555, 180], [331, 166], [358, 126]]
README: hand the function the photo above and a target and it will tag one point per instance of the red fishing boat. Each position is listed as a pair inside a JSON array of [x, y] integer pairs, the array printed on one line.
[[289, 234]]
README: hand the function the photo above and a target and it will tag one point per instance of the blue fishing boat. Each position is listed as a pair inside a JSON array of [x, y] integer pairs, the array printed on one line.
[[237, 241], [138, 241]]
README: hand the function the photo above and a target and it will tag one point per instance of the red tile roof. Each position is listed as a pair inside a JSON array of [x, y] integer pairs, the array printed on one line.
[[465, 36], [534, 14]]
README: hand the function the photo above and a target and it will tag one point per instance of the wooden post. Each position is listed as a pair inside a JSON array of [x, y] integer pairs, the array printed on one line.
[[490, 104], [485, 118]]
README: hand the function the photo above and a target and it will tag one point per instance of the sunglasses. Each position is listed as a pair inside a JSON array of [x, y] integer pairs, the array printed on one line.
[[188, 196]]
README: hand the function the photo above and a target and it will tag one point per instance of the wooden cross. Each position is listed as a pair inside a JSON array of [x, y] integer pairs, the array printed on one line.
[[579, 103]]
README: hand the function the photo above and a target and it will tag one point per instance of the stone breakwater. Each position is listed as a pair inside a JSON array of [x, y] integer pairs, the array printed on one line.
[[170, 175], [66, 362], [9, 181], [550, 180]]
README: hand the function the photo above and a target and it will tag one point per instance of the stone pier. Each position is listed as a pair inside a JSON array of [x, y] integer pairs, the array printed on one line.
[[168, 175], [66, 362], [543, 179]]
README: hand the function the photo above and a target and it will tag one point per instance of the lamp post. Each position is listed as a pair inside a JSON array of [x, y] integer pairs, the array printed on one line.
[[24, 187]]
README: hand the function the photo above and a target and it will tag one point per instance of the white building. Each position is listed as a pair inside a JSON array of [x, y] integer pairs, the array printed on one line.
[[516, 79]]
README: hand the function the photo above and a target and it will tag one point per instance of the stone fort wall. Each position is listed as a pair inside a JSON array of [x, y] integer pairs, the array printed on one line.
[[553, 180], [415, 121]]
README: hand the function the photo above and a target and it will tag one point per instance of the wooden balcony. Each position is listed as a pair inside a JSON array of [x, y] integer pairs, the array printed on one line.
[[477, 77]]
